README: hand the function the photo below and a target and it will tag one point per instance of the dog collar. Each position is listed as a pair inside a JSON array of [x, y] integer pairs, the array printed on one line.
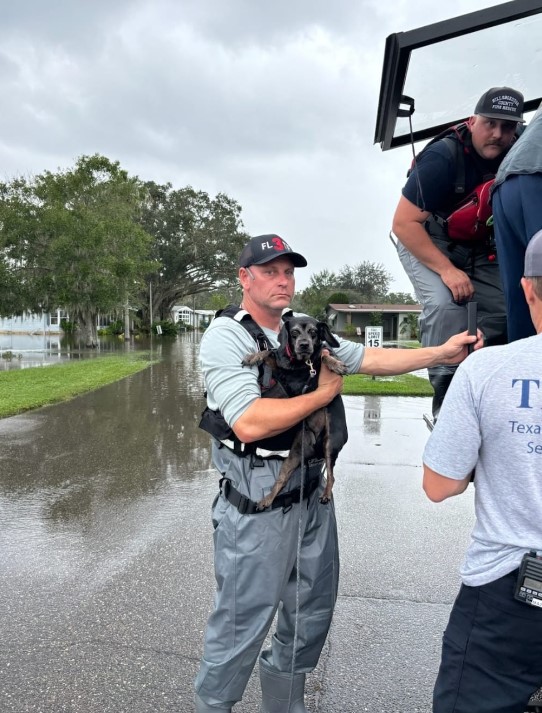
[[288, 353]]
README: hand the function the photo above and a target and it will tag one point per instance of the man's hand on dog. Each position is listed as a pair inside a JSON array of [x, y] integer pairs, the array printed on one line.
[[328, 380], [455, 349]]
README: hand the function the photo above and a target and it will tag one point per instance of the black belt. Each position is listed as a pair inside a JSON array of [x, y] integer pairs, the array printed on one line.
[[282, 500]]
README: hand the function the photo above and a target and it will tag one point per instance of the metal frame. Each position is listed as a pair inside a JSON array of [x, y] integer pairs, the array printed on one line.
[[393, 104]]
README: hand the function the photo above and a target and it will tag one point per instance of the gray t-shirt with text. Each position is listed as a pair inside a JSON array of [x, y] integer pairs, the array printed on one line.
[[491, 419]]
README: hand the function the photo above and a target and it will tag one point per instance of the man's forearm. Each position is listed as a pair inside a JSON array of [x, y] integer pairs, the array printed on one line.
[[417, 241], [388, 362], [268, 417]]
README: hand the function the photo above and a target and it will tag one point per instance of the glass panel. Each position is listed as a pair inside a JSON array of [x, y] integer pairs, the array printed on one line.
[[447, 79]]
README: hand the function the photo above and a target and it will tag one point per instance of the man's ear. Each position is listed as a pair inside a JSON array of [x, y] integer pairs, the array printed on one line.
[[528, 290], [244, 277]]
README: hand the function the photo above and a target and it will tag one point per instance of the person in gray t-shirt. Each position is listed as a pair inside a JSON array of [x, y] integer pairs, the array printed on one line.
[[491, 425], [283, 560]]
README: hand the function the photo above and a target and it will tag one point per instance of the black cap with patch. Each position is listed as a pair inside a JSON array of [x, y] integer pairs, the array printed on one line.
[[264, 248], [501, 103]]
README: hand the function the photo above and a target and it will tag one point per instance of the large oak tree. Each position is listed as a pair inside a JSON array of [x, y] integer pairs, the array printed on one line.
[[196, 242], [72, 240]]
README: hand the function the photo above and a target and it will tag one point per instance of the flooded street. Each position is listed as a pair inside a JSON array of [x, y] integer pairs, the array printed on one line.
[[87, 489], [102, 473], [106, 553]]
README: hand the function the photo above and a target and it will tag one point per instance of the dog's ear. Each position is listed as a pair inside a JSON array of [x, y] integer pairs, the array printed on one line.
[[284, 334], [325, 335], [287, 315]]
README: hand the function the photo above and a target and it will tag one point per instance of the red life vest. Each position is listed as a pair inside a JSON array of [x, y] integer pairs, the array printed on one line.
[[469, 219]]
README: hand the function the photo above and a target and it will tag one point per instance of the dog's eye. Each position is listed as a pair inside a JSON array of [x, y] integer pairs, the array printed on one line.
[[295, 332], [313, 332]]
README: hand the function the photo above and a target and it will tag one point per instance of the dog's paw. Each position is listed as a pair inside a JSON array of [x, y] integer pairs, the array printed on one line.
[[335, 365], [256, 358], [264, 503]]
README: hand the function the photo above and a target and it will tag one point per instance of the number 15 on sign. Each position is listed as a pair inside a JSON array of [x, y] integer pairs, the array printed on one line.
[[373, 336]]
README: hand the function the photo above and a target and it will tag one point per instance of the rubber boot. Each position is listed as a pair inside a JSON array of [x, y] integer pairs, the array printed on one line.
[[440, 383], [202, 707], [280, 694]]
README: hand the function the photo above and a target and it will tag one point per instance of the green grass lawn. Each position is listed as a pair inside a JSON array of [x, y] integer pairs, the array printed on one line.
[[409, 344], [403, 385], [25, 389]]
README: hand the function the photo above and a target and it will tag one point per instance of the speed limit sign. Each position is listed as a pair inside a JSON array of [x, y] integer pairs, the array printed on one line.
[[373, 336]]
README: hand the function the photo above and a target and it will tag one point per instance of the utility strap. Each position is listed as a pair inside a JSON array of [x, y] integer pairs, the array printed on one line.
[[283, 500]]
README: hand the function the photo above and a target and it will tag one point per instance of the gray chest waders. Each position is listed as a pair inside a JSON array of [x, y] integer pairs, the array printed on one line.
[[273, 698]]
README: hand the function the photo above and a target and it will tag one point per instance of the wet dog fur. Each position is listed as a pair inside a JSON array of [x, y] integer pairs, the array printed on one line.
[[323, 433]]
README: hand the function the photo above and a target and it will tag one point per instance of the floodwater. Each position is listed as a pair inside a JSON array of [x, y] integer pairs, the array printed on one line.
[[106, 575], [93, 493], [78, 478], [22, 351]]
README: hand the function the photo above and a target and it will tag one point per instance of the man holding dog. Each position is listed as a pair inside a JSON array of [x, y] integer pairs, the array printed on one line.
[[282, 560], [449, 268], [491, 422]]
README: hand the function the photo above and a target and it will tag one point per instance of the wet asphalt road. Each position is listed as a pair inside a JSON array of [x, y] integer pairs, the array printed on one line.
[[106, 554]]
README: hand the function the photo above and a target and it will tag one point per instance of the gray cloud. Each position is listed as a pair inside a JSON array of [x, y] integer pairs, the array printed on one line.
[[274, 103]]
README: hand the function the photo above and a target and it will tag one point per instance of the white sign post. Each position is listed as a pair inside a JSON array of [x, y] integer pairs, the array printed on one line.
[[373, 336]]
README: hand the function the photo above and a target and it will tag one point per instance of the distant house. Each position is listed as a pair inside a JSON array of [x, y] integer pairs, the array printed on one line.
[[196, 318], [44, 323], [29, 323], [361, 316]]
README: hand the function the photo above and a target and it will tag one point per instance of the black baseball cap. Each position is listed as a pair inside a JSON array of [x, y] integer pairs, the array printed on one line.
[[501, 103], [263, 248]]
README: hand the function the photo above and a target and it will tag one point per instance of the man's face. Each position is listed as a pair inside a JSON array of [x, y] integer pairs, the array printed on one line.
[[490, 137], [271, 285]]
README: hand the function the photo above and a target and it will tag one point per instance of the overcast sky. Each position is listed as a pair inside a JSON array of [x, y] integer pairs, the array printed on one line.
[[273, 103]]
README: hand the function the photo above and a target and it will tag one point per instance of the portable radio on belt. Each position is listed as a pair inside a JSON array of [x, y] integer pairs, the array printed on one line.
[[529, 583]]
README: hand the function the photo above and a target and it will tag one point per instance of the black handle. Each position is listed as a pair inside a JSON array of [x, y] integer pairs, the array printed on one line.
[[472, 319]]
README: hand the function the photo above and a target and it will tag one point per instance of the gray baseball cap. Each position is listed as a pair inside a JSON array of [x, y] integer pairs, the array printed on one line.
[[533, 256]]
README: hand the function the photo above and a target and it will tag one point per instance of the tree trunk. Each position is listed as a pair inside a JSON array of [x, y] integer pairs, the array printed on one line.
[[86, 321], [151, 308], [126, 323]]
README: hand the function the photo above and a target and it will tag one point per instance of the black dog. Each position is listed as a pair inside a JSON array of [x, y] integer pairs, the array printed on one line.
[[295, 365]]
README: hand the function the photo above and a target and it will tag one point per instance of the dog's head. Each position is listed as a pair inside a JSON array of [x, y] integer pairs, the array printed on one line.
[[302, 337]]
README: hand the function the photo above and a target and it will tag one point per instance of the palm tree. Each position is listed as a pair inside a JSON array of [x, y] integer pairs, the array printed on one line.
[[410, 326]]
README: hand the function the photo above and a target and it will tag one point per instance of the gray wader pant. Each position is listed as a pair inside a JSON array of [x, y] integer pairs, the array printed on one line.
[[441, 317], [256, 575]]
